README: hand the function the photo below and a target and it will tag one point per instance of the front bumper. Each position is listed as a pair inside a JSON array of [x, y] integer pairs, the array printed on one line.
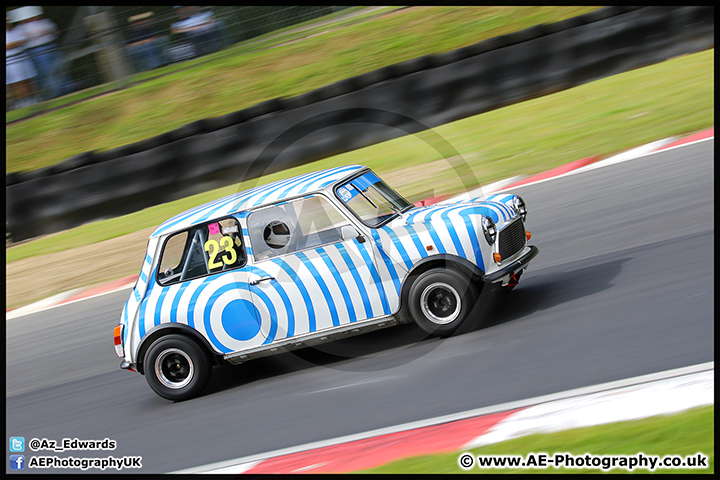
[[513, 267]]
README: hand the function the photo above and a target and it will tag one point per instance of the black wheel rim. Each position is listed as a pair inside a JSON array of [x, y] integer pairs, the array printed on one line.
[[440, 303], [174, 368]]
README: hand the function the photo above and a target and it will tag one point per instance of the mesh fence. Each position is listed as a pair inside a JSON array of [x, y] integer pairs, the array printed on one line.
[[105, 48]]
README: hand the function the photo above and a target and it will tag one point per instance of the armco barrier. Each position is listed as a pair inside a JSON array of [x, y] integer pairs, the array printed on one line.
[[352, 113]]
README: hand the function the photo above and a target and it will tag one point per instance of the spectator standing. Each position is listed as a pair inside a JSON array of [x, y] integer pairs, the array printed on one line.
[[199, 28], [19, 70], [221, 35], [145, 44], [41, 46]]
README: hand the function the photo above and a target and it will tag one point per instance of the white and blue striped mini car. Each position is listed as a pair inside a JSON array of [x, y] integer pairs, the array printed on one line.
[[307, 260]]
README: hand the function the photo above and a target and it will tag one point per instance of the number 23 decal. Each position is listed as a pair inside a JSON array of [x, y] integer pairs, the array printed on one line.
[[213, 248]]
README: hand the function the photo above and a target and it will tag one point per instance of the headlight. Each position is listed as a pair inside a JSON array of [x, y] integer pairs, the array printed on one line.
[[489, 230], [519, 205]]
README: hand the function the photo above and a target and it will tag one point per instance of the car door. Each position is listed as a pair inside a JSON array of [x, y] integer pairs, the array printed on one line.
[[307, 276], [202, 280]]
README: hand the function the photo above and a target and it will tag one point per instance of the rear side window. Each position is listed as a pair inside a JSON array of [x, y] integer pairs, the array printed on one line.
[[206, 249], [301, 224]]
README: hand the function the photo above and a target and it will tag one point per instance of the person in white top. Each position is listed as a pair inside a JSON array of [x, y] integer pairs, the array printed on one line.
[[42, 48], [199, 27], [19, 70]]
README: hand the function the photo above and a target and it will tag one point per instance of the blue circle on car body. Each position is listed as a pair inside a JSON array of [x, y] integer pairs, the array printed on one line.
[[241, 320]]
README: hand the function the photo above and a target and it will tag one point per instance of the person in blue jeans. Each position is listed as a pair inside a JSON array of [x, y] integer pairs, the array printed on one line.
[[42, 49], [145, 44], [20, 75], [200, 27]]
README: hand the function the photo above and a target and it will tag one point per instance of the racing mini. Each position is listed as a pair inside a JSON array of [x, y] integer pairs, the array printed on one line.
[[308, 260]]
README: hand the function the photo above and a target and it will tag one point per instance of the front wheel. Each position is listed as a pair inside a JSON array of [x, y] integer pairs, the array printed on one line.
[[441, 300], [176, 368]]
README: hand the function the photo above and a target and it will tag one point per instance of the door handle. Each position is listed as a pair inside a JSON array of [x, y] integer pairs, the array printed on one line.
[[263, 279]]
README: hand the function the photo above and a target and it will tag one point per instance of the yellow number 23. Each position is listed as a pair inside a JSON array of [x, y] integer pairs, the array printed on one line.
[[213, 248]]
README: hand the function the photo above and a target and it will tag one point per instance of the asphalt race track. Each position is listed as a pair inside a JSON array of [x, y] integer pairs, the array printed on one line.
[[623, 286]]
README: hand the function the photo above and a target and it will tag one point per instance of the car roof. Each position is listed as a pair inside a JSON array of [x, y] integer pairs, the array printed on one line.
[[257, 197]]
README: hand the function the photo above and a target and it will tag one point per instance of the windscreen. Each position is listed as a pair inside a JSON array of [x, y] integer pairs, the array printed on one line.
[[371, 199]]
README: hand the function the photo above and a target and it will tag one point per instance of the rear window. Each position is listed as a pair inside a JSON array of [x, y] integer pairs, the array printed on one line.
[[206, 249]]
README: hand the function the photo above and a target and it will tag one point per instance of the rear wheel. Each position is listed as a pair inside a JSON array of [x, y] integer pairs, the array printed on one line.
[[441, 300], [176, 368]]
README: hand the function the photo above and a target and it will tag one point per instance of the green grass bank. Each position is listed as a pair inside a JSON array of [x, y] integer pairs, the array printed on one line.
[[682, 434]]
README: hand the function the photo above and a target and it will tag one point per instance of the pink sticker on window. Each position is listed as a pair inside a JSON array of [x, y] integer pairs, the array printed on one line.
[[213, 228]]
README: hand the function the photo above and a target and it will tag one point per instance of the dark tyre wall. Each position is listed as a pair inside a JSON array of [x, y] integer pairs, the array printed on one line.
[[353, 113]]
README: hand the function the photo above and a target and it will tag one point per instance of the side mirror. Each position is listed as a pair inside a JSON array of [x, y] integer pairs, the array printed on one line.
[[348, 232]]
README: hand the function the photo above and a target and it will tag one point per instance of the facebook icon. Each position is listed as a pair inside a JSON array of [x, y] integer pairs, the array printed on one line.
[[17, 462]]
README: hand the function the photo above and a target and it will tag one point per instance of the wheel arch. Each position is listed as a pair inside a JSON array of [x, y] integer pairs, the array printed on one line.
[[441, 260], [173, 328]]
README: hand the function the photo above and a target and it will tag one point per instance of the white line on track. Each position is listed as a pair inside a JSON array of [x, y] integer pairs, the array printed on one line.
[[620, 158], [374, 380], [40, 306], [660, 397]]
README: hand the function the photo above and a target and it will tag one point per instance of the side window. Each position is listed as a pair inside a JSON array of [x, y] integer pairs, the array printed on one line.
[[171, 257], [206, 249], [285, 228]]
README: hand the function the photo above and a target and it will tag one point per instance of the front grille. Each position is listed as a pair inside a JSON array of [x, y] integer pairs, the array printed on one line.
[[511, 239]]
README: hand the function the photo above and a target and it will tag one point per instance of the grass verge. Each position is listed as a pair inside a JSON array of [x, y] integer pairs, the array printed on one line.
[[243, 76], [288, 34], [682, 434], [600, 118]]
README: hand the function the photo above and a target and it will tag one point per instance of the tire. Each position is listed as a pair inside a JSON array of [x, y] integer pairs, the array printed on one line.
[[441, 300], [188, 130], [375, 76], [341, 87], [176, 368], [263, 108]]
